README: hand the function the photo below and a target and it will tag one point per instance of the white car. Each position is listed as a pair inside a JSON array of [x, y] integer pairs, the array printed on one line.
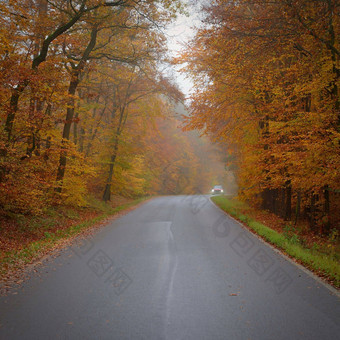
[[217, 190]]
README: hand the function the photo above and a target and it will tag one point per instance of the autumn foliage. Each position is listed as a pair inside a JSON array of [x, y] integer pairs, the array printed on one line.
[[84, 108], [267, 88]]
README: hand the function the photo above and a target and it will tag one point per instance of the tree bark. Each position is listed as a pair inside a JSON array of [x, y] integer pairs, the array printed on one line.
[[66, 131], [107, 191], [312, 211], [326, 227], [75, 79], [298, 207], [94, 133], [120, 127], [75, 128], [37, 60], [288, 203]]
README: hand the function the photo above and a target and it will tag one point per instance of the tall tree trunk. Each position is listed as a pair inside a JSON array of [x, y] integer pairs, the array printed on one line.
[[93, 134], [66, 131], [75, 79], [107, 191], [288, 202], [266, 199], [81, 140], [13, 108], [75, 128], [327, 226], [120, 127], [298, 206], [281, 199], [312, 211]]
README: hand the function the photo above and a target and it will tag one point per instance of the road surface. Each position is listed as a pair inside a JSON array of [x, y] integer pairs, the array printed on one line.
[[174, 268]]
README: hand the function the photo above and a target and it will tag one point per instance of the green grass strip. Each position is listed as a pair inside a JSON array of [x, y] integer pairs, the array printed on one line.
[[311, 258]]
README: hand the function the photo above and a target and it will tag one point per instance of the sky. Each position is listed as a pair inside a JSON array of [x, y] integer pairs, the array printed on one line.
[[179, 34]]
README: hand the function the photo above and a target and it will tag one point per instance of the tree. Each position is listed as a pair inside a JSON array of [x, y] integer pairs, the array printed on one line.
[[267, 85]]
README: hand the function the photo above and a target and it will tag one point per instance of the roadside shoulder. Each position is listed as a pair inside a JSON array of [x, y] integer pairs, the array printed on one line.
[[326, 281]]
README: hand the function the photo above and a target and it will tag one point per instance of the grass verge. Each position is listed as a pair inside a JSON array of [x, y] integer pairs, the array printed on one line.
[[326, 265], [26, 239]]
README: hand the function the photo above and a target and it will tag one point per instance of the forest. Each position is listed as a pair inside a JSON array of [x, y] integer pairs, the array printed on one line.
[[266, 77], [85, 107], [95, 119]]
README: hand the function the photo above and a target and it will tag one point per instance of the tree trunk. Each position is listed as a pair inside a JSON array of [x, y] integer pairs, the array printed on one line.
[[312, 211], [298, 207], [282, 202], [75, 128], [326, 226], [266, 199], [66, 131], [94, 133], [107, 191], [75, 79], [81, 140], [37, 60], [288, 203], [13, 108], [120, 127]]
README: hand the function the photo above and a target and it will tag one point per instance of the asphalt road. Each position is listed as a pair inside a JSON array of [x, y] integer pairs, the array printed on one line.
[[174, 268]]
